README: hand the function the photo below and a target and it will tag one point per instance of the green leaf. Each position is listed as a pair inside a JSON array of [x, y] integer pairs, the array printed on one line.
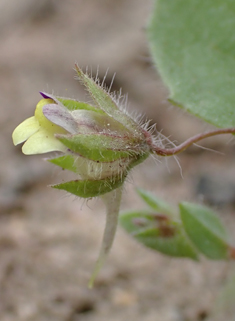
[[165, 236], [193, 45], [205, 230], [154, 202], [66, 162], [90, 188], [98, 147]]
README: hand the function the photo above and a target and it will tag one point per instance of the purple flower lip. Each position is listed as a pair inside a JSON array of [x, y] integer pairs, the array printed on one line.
[[44, 95]]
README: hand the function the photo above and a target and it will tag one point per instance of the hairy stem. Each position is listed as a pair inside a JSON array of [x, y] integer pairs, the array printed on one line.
[[192, 140], [112, 201]]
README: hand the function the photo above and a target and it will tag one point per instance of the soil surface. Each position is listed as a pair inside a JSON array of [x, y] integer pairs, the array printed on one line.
[[49, 242]]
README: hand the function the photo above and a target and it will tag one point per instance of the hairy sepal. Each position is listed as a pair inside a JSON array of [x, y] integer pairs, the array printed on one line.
[[106, 103], [91, 188], [72, 105], [65, 162], [99, 147]]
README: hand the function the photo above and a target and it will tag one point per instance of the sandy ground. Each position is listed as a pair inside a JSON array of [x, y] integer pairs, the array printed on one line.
[[48, 241]]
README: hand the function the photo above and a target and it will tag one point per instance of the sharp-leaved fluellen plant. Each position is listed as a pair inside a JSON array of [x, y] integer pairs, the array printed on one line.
[[100, 143]]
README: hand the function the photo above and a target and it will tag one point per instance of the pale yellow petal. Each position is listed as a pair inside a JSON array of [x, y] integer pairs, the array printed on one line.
[[42, 142], [43, 121], [26, 129]]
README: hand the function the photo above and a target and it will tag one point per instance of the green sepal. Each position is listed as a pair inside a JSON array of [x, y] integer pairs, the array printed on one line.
[[205, 230], [106, 103], [97, 147], [90, 188], [138, 159], [144, 228], [72, 104], [66, 162], [154, 202], [100, 96]]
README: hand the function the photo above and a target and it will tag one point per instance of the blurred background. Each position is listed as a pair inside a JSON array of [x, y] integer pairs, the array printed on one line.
[[49, 242]]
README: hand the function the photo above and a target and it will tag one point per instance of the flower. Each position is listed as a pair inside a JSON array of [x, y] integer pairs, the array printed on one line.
[[38, 132], [100, 143]]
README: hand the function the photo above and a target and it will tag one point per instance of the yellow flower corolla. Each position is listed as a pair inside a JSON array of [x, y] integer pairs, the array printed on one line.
[[38, 133]]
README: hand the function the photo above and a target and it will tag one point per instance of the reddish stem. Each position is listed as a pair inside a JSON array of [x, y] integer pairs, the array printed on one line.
[[192, 140]]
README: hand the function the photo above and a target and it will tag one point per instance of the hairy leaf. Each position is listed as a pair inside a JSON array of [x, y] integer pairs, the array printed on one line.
[[158, 233], [205, 230], [193, 45], [154, 202]]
